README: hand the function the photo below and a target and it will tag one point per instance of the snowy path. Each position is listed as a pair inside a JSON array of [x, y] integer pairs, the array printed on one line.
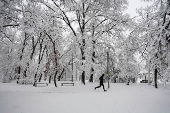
[[136, 98]]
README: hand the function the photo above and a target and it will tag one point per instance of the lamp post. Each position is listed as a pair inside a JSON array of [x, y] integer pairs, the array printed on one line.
[[108, 67], [72, 67]]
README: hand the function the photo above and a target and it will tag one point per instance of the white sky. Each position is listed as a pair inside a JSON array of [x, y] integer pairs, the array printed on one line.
[[136, 4]]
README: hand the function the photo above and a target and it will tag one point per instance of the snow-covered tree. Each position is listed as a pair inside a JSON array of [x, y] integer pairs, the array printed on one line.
[[44, 33], [127, 62], [34, 34], [90, 21], [9, 15], [154, 28]]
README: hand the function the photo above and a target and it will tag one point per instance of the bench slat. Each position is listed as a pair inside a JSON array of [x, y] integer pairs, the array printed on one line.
[[67, 83], [40, 83]]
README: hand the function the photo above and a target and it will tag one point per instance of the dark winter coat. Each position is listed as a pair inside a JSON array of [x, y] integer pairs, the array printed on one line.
[[101, 79]]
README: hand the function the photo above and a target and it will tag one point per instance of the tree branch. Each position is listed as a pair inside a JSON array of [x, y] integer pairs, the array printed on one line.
[[65, 18]]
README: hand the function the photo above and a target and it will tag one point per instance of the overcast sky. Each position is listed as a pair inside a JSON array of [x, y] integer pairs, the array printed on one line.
[[136, 4]]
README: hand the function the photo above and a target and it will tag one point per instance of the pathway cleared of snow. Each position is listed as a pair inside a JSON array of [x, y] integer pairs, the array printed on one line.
[[120, 98]]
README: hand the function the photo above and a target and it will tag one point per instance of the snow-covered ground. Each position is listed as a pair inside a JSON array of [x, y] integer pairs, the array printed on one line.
[[120, 98]]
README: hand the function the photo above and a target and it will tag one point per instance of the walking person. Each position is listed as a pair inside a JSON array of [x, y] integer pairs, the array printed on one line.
[[101, 83]]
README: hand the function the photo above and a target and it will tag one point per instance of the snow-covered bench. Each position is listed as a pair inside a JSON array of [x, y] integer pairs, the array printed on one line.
[[67, 83], [41, 84]]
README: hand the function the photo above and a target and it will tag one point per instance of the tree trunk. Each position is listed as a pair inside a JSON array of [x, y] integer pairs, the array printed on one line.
[[61, 75], [24, 44], [35, 80], [34, 45], [83, 58], [91, 78], [50, 79], [93, 60], [156, 71], [83, 77], [55, 78], [55, 53], [40, 77], [18, 72]]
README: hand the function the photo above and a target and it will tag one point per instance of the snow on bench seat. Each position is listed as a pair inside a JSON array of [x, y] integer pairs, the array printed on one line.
[[41, 84], [67, 84]]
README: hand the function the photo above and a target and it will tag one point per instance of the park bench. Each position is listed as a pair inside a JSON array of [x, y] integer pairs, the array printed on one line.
[[40, 84], [67, 83], [144, 81]]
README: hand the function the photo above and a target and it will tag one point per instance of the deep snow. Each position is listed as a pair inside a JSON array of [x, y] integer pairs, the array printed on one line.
[[120, 98]]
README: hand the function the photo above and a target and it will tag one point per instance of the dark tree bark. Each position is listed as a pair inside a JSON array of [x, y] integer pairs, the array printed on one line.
[[33, 48], [35, 80], [50, 79], [61, 75], [55, 78], [91, 76], [24, 44], [40, 77], [93, 60], [18, 72], [83, 77], [83, 58]]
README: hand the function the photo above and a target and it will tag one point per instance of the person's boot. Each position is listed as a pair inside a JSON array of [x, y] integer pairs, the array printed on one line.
[[105, 90]]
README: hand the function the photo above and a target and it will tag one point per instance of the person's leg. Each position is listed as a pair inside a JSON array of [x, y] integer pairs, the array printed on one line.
[[98, 86], [103, 87]]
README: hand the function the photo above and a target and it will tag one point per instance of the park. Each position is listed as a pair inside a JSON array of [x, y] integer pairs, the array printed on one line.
[[74, 56]]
